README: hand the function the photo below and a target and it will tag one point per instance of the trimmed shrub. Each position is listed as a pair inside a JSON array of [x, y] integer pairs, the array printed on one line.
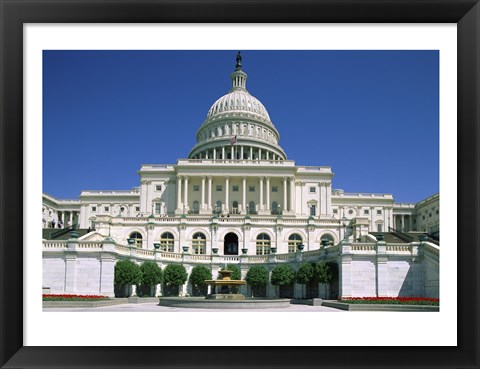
[[174, 275], [257, 278], [126, 274], [151, 276], [282, 275], [197, 279]]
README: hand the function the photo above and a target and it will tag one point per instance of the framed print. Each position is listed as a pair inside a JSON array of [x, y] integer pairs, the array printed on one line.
[[217, 339]]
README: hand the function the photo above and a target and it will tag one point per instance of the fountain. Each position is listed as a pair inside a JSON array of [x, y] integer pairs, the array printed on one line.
[[224, 296], [225, 284]]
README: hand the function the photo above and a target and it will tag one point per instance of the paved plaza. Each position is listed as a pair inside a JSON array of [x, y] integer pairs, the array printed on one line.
[[154, 307]]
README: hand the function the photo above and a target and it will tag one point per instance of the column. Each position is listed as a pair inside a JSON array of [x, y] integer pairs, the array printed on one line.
[[244, 194], [259, 154], [403, 224], [179, 192], [214, 153], [202, 204], [71, 218], [227, 186], [209, 205], [372, 223], [251, 153], [185, 192], [267, 205], [410, 225], [292, 193], [284, 205], [267, 155], [223, 152], [232, 153], [260, 206], [241, 152]]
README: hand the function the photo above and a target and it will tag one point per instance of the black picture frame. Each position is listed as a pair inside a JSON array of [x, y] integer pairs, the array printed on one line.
[[14, 13]]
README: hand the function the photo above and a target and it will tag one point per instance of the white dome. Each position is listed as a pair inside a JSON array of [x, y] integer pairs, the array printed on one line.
[[238, 101]]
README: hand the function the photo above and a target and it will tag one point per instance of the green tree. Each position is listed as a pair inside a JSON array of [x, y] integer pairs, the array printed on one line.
[[236, 271], [174, 275], [257, 278], [197, 279], [306, 275], [324, 274], [151, 276], [126, 273], [282, 275]]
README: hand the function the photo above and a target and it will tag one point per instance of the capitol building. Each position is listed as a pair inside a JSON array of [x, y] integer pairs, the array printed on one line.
[[238, 199]]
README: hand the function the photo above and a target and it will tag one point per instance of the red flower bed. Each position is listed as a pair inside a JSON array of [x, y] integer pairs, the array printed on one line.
[[67, 297], [392, 300]]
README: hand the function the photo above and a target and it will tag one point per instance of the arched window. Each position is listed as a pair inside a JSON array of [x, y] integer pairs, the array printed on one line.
[[196, 207], [199, 244], [137, 237], [293, 241], [263, 244], [327, 237], [166, 242], [251, 208]]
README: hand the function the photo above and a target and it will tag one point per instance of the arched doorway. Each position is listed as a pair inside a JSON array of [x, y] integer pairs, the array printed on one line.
[[230, 245]]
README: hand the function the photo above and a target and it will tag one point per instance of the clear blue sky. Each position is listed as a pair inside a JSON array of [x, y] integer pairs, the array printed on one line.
[[373, 116]]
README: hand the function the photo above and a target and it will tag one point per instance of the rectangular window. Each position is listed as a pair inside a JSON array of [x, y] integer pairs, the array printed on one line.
[[366, 212], [196, 188], [274, 188], [251, 188], [235, 188], [312, 189], [157, 208], [437, 212], [379, 227], [430, 215], [423, 217], [158, 187], [379, 212], [313, 210], [219, 188], [137, 208], [94, 209], [107, 208], [335, 211]]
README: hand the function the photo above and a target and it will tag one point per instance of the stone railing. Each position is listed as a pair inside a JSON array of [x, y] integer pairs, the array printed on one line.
[[322, 253]]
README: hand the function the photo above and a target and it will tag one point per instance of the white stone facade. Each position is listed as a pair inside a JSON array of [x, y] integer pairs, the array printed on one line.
[[235, 188]]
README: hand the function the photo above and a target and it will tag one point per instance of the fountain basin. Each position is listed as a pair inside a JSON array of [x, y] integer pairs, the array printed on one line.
[[202, 303]]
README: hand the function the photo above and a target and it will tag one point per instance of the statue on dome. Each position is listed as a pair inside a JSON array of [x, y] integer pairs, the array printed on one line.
[[239, 61]]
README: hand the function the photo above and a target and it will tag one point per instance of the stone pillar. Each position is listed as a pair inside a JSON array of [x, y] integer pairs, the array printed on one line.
[[227, 186], [185, 192], [241, 152], [267, 205], [284, 205], [381, 270], [345, 271], [403, 223], [179, 193], [202, 204], [71, 218], [233, 152], [214, 153], [259, 154], [251, 153], [209, 205], [244, 194], [107, 269], [292, 194], [267, 155], [223, 152], [260, 206]]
